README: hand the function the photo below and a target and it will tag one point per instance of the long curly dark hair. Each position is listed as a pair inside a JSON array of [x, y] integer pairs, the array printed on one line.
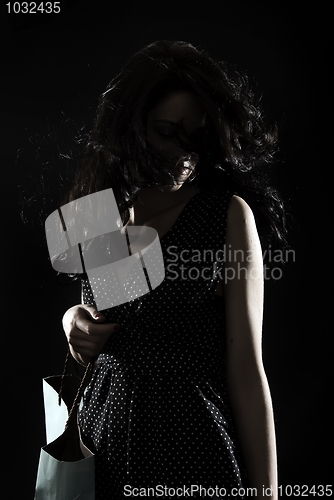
[[235, 148]]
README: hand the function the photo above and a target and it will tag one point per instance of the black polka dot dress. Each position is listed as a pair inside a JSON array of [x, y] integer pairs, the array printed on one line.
[[156, 413]]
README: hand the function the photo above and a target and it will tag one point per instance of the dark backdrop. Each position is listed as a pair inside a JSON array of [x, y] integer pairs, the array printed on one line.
[[53, 68]]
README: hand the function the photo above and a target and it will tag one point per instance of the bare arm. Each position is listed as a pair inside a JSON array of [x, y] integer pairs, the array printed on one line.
[[247, 382]]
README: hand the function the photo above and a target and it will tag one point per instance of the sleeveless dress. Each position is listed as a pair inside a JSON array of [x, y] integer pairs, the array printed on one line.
[[156, 412]]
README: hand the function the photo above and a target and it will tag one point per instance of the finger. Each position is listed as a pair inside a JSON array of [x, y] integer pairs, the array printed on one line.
[[94, 313], [78, 338], [85, 344], [81, 346], [81, 313], [87, 349], [96, 330]]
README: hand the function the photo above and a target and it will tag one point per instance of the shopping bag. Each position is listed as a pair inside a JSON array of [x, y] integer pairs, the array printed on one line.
[[66, 469]]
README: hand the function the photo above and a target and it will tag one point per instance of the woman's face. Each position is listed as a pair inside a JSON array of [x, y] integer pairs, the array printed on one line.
[[178, 115]]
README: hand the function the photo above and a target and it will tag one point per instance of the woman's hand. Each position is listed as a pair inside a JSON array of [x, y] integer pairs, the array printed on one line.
[[86, 332]]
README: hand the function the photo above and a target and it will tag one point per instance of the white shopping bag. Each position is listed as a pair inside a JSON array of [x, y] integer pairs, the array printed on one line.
[[66, 469]]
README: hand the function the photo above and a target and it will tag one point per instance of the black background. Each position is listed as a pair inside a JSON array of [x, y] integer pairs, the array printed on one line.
[[53, 68]]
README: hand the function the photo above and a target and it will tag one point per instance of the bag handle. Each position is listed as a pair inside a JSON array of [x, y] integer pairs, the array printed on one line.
[[76, 402], [83, 384]]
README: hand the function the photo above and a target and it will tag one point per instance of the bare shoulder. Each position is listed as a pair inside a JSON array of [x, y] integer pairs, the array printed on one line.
[[241, 231], [239, 212]]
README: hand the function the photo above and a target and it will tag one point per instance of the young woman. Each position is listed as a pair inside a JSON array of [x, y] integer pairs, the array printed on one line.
[[179, 402]]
